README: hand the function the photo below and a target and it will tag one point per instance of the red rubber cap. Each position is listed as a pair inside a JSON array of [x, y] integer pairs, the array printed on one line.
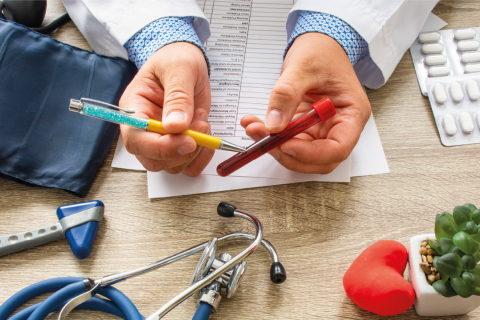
[[325, 109]]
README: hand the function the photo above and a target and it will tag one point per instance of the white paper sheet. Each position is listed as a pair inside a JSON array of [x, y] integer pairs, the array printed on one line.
[[368, 157], [162, 185], [433, 23]]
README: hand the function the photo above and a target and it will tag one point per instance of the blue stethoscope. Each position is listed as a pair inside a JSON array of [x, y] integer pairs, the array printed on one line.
[[211, 275]]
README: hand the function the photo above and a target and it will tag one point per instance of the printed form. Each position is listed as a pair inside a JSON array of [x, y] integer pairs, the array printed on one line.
[[245, 50]]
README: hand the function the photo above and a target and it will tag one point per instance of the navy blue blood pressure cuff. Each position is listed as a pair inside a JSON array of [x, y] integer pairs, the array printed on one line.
[[42, 143]]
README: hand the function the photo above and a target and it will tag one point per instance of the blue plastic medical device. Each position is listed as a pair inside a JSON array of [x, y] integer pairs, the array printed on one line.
[[78, 223]]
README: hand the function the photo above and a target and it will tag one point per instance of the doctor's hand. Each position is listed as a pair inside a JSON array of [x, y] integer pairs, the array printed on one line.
[[173, 87], [316, 66]]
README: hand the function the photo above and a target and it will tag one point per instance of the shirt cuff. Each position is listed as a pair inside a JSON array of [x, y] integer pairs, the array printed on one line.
[[160, 33], [308, 21]]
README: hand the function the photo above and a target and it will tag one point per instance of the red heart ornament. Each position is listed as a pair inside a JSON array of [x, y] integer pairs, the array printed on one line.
[[375, 281]]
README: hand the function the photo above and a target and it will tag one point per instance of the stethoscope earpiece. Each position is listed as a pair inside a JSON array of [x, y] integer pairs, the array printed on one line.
[[31, 13]]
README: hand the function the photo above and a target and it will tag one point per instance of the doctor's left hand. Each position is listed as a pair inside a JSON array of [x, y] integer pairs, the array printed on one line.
[[316, 66], [173, 87]]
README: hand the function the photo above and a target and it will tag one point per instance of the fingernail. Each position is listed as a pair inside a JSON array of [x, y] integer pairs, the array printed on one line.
[[291, 152], [203, 116], [176, 116], [204, 129], [274, 118], [275, 154], [185, 148], [209, 131]]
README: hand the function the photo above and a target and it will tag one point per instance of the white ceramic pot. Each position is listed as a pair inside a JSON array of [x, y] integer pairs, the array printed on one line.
[[428, 302]]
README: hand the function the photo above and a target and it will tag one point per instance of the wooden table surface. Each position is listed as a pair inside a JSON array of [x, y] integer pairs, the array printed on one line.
[[318, 228]]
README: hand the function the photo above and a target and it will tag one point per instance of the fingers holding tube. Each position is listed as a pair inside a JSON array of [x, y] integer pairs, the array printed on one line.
[[284, 100]]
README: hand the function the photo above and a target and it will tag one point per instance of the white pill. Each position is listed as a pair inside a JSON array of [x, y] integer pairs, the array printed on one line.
[[472, 68], [432, 48], [472, 90], [456, 91], [466, 122], [438, 71], [449, 124], [439, 93], [471, 57], [430, 37], [435, 59], [464, 34], [468, 45]]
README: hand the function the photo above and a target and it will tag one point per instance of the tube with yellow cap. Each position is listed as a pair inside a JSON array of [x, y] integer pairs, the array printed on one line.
[[101, 110]]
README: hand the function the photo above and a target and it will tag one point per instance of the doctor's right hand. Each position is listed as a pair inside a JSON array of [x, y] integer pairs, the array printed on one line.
[[173, 87]]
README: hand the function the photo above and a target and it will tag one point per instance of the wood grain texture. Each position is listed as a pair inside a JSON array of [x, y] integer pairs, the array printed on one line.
[[317, 228]]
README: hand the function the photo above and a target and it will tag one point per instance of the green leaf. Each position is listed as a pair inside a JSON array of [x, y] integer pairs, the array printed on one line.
[[458, 252], [445, 289], [445, 279], [435, 259], [476, 255], [471, 228], [470, 206], [449, 265], [439, 233], [476, 270], [447, 225], [477, 291], [435, 248], [469, 262], [469, 278], [446, 245], [465, 242], [461, 287], [477, 280], [476, 216], [462, 215], [476, 236]]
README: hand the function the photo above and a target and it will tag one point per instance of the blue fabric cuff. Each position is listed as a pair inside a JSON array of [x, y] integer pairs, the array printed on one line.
[[354, 45], [160, 33]]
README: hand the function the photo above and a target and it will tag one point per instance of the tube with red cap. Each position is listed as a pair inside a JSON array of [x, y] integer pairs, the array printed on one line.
[[321, 112]]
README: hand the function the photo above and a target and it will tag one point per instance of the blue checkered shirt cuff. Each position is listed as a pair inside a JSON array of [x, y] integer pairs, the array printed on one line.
[[354, 45], [160, 33]]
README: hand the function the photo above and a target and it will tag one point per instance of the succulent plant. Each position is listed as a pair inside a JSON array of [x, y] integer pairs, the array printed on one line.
[[458, 247]]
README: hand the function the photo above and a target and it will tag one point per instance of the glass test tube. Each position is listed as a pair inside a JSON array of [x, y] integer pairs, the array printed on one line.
[[322, 111]]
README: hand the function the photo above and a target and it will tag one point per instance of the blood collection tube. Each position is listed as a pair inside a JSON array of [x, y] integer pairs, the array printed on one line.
[[321, 112]]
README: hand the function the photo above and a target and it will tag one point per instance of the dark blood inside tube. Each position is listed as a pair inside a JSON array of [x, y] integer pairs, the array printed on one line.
[[321, 112]]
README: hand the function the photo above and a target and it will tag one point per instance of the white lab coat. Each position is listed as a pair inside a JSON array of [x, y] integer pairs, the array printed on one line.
[[389, 26]]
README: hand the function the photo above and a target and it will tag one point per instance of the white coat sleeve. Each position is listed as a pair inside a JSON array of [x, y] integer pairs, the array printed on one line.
[[109, 24], [388, 26]]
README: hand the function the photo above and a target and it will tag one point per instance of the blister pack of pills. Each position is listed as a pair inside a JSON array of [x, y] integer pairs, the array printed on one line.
[[445, 53], [456, 108]]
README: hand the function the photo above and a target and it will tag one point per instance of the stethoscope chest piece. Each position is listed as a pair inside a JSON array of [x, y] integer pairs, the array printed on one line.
[[205, 262], [229, 280]]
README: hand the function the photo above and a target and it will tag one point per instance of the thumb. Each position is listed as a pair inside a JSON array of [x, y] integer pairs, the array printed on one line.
[[284, 100], [178, 100]]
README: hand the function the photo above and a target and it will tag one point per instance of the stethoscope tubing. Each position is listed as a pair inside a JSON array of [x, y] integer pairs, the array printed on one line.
[[94, 304], [32, 291], [66, 288]]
